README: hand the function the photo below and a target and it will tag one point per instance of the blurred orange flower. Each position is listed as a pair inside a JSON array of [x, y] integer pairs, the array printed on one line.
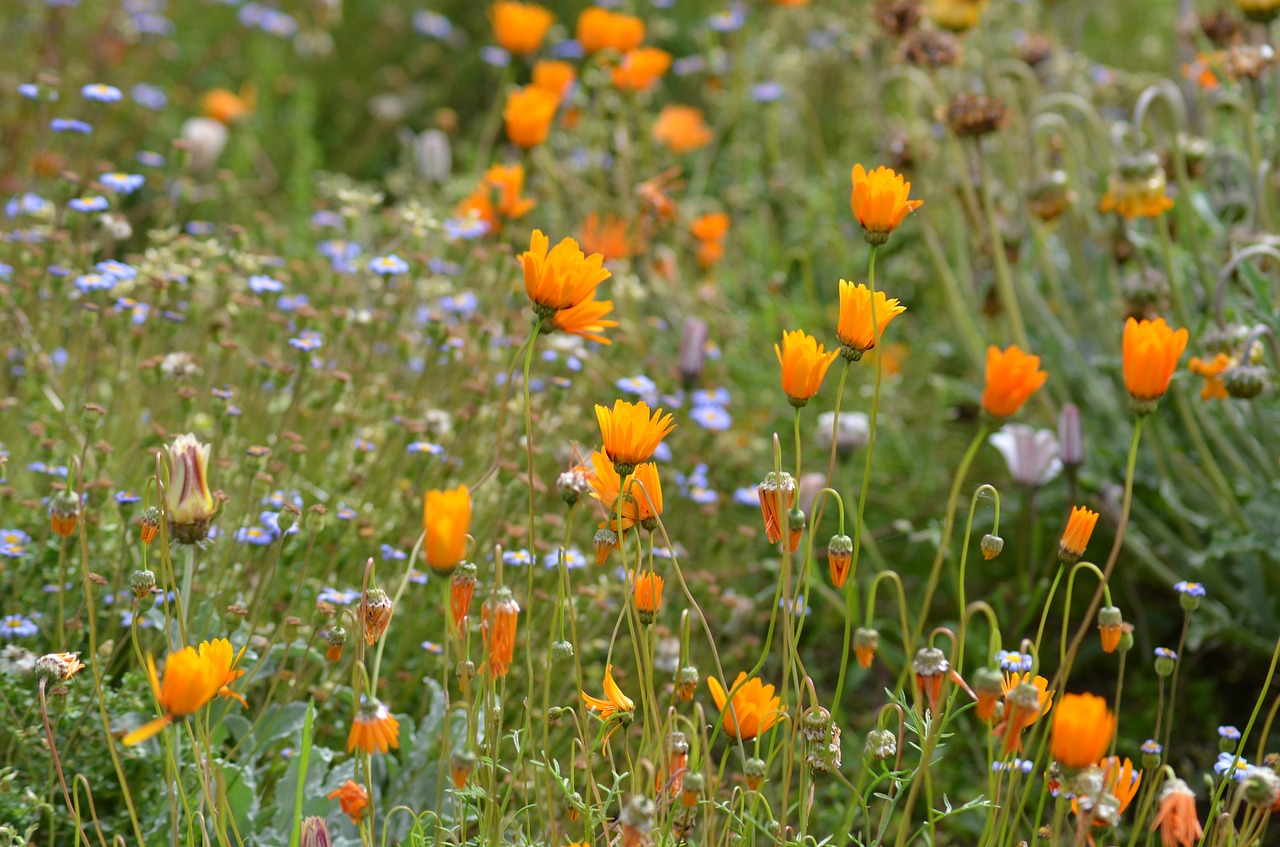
[[554, 76], [804, 363], [681, 129], [520, 27], [641, 68], [508, 181], [587, 319], [446, 520], [499, 618], [607, 236], [353, 799], [1211, 370], [599, 29], [528, 115], [1082, 730], [1012, 377], [1151, 350], [710, 230], [226, 107]]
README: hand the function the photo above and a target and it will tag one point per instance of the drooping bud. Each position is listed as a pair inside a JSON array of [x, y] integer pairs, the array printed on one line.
[[149, 524], [989, 687], [462, 586], [1110, 626], [687, 682], [865, 643], [337, 639], [562, 651], [691, 791], [1260, 787], [991, 546], [1245, 381], [636, 819], [881, 744], [930, 667], [605, 542], [461, 764], [141, 583], [754, 771], [816, 724], [839, 559], [375, 613], [64, 513], [58, 667]]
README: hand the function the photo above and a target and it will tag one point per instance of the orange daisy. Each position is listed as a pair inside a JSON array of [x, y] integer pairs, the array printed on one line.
[[373, 729], [856, 330], [631, 433], [559, 277], [1151, 350], [1012, 377], [755, 707], [880, 202], [520, 27], [804, 363]]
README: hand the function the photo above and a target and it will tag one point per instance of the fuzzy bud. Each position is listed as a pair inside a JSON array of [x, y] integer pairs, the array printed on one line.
[[141, 583], [991, 546], [687, 682], [839, 559], [1070, 436], [881, 744], [149, 524], [754, 770], [562, 651], [816, 724], [1244, 382]]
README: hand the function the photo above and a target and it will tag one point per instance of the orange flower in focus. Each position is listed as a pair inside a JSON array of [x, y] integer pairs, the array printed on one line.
[[1012, 377], [1177, 819], [499, 618], [856, 330], [1077, 534], [647, 595], [804, 363], [1212, 370], [528, 115], [225, 107], [520, 27], [614, 703], [446, 519], [880, 202], [373, 729], [681, 129], [587, 319], [1151, 350], [607, 236], [1026, 700], [554, 76], [599, 29], [631, 433], [220, 656], [352, 798], [1082, 730], [710, 230], [641, 69], [635, 507], [191, 679], [559, 277], [754, 710]]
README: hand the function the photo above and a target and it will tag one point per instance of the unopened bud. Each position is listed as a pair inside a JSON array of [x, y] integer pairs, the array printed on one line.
[[141, 583], [881, 744], [149, 524], [1070, 436], [1244, 382], [816, 724], [754, 770], [1165, 661], [562, 651], [991, 546], [687, 682], [693, 350], [315, 520]]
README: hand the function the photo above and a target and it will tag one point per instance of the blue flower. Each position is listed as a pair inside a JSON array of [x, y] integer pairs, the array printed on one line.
[[280, 24], [271, 521], [388, 265], [70, 125], [495, 56], [1165, 653], [432, 647], [465, 229], [570, 48], [12, 551], [148, 96], [307, 340], [101, 93], [338, 598], [6, 270], [291, 303], [29, 90], [96, 282], [223, 393], [277, 499], [364, 446], [17, 626], [432, 25], [119, 270], [425, 447], [346, 513], [573, 559], [1230, 733], [462, 305], [326, 219], [27, 204], [686, 65], [150, 159], [127, 497], [255, 535], [662, 453], [516, 558], [704, 496], [1151, 747], [122, 183], [747, 495], [94, 203], [639, 385], [392, 554], [417, 577], [263, 284], [14, 536], [1228, 761], [711, 417], [767, 92], [199, 228], [1191, 589], [727, 21], [1011, 660]]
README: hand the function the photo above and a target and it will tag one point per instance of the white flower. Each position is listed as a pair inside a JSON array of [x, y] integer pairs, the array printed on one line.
[[1031, 454], [854, 431]]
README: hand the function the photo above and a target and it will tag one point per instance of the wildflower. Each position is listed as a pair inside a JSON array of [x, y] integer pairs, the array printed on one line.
[[70, 125], [1026, 701], [752, 710], [190, 505], [607, 236], [1075, 538], [461, 589], [17, 626], [560, 277], [865, 643], [100, 93], [446, 519], [498, 621], [614, 703], [631, 433], [1012, 377], [375, 614], [1165, 661], [677, 765], [226, 107], [1082, 730], [710, 230], [1212, 370], [839, 559], [988, 686], [1070, 438], [93, 203], [64, 513], [336, 639], [509, 182], [388, 265], [879, 202], [804, 363], [641, 69], [957, 15], [1121, 782], [856, 330], [373, 729], [971, 115], [122, 183], [600, 29], [353, 799], [58, 667], [554, 77], [1111, 627], [647, 595], [1031, 454], [681, 129], [1176, 816], [777, 494], [1151, 350], [1137, 189], [520, 27], [528, 114], [930, 667], [1263, 11], [314, 832], [191, 679], [1013, 661]]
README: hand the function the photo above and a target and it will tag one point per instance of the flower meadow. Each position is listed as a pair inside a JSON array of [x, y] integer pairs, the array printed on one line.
[[662, 421]]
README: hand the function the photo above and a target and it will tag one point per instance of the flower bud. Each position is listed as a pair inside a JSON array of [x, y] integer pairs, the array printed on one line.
[[989, 686], [1260, 787], [562, 651], [691, 789], [287, 517], [1244, 382], [149, 524], [337, 639], [58, 667], [1165, 661], [754, 770], [839, 559], [1151, 751], [315, 519], [991, 546], [865, 642], [1110, 627], [693, 351], [573, 804], [191, 506], [141, 583], [687, 682], [605, 542], [465, 670], [881, 744], [461, 764], [375, 612], [1189, 594], [315, 833], [64, 513], [816, 724], [1070, 436]]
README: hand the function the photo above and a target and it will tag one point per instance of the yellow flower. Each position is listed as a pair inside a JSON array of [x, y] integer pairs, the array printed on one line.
[[957, 15], [755, 708], [191, 679], [804, 363], [560, 277], [446, 519], [1012, 377], [1151, 350], [614, 703], [880, 202], [856, 331], [520, 27], [631, 433]]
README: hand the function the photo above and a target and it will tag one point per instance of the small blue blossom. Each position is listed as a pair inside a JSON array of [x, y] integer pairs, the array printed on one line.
[[292, 302], [711, 417], [640, 385], [432, 25], [119, 270], [1151, 747], [150, 159], [148, 96], [93, 203], [346, 513], [1230, 733], [747, 495], [14, 536], [417, 577], [263, 284], [339, 598], [767, 92], [223, 393], [388, 265], [516, 558], [307, 340], [432, 647], [96, 282], [271, 521], [6, 270], [570, 48], [425, 447], [276, 500], [29, 90], [573, 559], [1190, 589], [255, 535], [127, 497], [1013, 661], [12, 551], [729, 20], [1228, 761], [702, 495], [465, 229], [70, 125], [326, 219], [495, 56], [122, 183], [17, 626], [364, 446], [462, 305], [390, 553], [662, 453], [27, 204], [798, 606], [199, 228], [100, 93], [1014, 764], [687, 65], [1165, 653]]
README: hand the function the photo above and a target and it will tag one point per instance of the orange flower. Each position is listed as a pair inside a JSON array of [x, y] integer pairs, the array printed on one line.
[[599, 29], [957, 15], [613, 703], [641, 69], [880, 202], [1121, 782], [804, 363], [1212, 370], [223, 660], [790, 2], [191, 679], [462, 586], [631, 433], [1012, 377], [1076, 536], [225, 107], [554, 76], [1137, 190], [479, 205], [647, 595], [528, 115], [1112, 628], [373, 729], [446, 519], [352, 798], [586, 319], [1082, 729], [1026, 700], [777, 495], [710, 230], [58, 667], [1177, 819], [654, 197], [520, 27], [1201, 69], [607, 236], [499, 618], [1151, 350], [754, 708], [64, 513], [681, 129], [635, 508], [561, 277], [856, 330], [509, 181]]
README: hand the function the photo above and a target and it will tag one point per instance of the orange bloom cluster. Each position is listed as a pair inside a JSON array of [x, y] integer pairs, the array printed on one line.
[[1212, 370], [601, 29], [520, 27], [1021, 709], [681, 129], [710, 230], [755, 707], [446, 519], [1012, 377], [498, 197], [353, 799], [635, 507]]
